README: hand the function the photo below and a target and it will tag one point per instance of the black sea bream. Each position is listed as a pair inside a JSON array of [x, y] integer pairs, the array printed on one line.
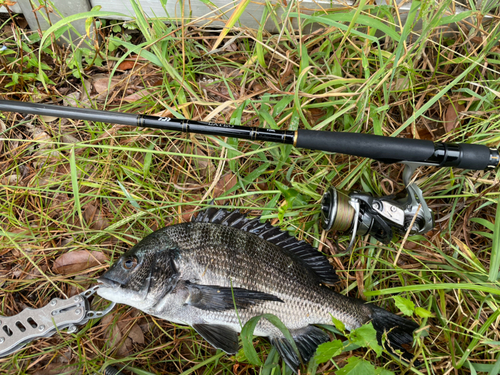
[[194, 274]]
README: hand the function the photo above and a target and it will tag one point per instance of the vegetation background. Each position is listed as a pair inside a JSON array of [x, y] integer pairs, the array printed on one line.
[[74, 195]]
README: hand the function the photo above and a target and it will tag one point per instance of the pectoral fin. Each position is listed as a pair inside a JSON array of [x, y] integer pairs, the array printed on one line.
[[216, 298], [219, 336]]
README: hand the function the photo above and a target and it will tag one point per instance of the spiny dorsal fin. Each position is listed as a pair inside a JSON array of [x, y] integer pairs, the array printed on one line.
[[310, 256]]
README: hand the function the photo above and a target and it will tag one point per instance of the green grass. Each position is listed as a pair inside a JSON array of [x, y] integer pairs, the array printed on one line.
[[72, 185]]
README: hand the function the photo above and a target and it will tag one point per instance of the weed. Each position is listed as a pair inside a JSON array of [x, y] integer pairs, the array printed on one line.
[[68, 186]]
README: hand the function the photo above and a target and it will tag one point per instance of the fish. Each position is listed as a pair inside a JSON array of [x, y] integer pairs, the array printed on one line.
[[223, 268]]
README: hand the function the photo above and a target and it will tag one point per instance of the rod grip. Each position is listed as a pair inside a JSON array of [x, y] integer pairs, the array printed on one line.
[[386, 149], [393, 150]]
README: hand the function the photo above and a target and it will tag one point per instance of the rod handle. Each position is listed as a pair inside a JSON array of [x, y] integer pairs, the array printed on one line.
[[394, 150], [386, 149]]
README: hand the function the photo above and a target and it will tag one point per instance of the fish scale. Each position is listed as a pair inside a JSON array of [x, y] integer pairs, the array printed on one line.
[[222, 269], [269, 280]]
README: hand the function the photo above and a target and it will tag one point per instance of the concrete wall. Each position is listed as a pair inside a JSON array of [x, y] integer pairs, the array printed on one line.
[[195, 10]]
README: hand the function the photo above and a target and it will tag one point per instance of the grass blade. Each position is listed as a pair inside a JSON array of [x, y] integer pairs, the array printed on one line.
[[495, 247], [231, 22], [74, 184]]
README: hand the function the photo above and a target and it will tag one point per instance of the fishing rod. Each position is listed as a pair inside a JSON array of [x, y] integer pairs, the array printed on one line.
[[384, 149], [355, 213]]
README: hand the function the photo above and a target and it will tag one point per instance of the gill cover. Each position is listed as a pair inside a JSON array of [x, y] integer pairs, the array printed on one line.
[[146, 270]]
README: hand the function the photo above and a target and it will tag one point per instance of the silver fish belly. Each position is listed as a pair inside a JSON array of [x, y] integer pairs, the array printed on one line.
[[222, 269]]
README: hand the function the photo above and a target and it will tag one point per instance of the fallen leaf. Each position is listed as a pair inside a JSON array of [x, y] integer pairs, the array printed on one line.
[[94, 217], [127, 65], [113, 333], [48, 118], [451, 116], [125, 349], [68, 138], [136, 96], [101, 84], [71, 100], [226, 182], [136, 335], [78, 260]]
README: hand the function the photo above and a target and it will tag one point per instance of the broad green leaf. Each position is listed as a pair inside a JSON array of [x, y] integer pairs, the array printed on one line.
[[246, 341], [357, 366], [382, 371], [338, 324], [328, 350], [423, 313], [405, 305], [366, 336], [290, 194], [247, 336]]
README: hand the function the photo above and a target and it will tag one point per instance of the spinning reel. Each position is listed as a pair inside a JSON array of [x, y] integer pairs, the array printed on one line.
[[359, 213]]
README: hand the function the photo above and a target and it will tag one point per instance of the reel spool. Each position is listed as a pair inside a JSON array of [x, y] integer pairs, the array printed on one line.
[[337, 213], [359, 213]]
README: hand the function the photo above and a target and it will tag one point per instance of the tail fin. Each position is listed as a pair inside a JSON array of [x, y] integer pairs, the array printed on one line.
[[398, 332]]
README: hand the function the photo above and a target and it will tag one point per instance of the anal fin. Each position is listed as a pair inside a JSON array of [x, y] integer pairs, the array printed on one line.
[[307, 340], [219, 336]]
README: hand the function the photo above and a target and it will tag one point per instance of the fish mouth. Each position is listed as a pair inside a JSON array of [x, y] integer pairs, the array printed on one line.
[[104, 282]]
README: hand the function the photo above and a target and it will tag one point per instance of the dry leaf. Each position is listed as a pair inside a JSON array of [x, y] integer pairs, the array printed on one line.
[[68, 138], [101, 84], [94, 217], [451, 116], [127, 65], [136, 335], [48, 118], [112, 331], [136, 96], [187, 213], [71, 100], [78, 260], [226, 182], [115, 335], [125, 349]]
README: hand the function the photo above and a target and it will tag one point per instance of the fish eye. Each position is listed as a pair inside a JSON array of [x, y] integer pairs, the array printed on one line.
[[129, 263]]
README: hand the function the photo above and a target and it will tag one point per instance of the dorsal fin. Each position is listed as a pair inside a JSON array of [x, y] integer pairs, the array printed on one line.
[[310, 256]]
